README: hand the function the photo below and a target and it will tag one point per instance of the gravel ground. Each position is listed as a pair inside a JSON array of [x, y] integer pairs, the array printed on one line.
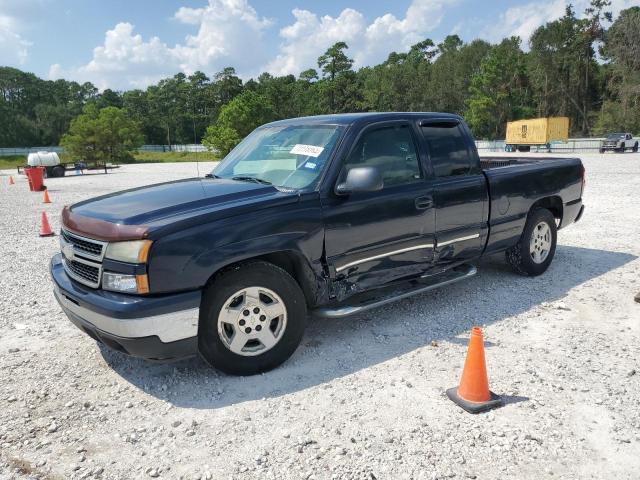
[[362, 398]]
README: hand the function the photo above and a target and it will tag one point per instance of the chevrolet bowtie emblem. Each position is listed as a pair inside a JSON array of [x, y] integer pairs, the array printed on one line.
[[67, 251]]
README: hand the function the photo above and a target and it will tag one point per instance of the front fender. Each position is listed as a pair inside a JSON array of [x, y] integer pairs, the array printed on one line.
[[186, 260]]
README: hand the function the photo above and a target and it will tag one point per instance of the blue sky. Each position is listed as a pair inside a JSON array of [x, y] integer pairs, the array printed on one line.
[[127, 44]]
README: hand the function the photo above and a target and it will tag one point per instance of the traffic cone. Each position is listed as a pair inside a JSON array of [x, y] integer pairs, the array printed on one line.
[[11, 182], [45, 197], [473, 393], [45, 229]]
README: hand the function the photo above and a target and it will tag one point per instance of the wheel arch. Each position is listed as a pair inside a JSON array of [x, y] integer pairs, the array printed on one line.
[[291, 261], [553, 204]]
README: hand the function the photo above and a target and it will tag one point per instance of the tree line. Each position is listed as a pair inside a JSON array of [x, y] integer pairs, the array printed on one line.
[[584, 67]]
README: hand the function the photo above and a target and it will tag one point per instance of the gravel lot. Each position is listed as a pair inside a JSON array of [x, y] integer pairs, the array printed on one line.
[[362, 398]]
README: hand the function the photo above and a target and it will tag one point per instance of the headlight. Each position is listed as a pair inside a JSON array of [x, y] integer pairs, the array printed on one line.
[[135, 251], [119, 282]]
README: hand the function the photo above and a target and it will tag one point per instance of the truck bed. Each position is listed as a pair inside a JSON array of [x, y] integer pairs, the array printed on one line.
[[514, 181]]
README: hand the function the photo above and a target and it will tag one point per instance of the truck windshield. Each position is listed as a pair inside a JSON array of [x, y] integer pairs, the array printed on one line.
[[615, 136], [289, 156]]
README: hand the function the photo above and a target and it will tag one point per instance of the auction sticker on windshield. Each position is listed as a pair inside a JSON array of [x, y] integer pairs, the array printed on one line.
[[309, 150]]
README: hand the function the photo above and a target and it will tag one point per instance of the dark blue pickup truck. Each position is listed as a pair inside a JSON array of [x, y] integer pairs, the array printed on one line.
[[328, 215]]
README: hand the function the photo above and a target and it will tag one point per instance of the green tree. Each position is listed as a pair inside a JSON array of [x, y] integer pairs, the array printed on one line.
[[226, 86], [447, 87], [563, 70], [499, 91], [236, 120], [107, 134], [305, 94], [108, 98], [339, 84], [398, 83], [279, 92], [621, 108]]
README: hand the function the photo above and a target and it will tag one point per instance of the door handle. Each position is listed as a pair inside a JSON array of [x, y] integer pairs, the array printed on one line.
[[422, 203]]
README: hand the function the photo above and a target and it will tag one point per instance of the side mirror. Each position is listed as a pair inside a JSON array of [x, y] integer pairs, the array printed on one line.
[[361, 179]]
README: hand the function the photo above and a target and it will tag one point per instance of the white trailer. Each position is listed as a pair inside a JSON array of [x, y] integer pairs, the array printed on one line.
[[55, 168], [49, 160]]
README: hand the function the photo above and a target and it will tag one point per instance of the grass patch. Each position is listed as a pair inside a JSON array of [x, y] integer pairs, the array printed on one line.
[[14, 161], [162, 157]]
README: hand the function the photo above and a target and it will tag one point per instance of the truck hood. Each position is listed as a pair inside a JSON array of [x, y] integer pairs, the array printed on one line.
[[155, 206]]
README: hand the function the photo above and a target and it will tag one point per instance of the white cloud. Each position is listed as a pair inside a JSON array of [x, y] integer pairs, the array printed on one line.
[[233, 33], [228, 29], [523, 20], [14, 49], [229, 33], [309, 36]]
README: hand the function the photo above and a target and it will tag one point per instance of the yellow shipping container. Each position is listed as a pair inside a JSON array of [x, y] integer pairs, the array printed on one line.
[[538, 131]]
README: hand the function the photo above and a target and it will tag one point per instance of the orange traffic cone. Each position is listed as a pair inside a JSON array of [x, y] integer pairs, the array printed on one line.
[[45, 229], [473, 393], [45, 197], [11, 182]]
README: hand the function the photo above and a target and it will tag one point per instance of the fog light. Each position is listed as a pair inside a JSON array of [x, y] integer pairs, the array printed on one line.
[[119, 282]]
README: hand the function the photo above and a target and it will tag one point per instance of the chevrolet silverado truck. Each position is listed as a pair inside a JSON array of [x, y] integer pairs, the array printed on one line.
[[619, 142], [328, 215]]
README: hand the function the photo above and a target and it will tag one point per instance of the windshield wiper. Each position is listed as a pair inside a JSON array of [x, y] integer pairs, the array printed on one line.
[[251, 179]]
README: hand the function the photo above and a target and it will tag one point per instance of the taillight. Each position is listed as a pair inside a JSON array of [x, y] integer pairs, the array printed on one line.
[[584, 177]]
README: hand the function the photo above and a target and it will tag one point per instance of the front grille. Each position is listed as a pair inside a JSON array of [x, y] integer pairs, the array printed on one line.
[[82, 258], [85, 246], [83, 272]]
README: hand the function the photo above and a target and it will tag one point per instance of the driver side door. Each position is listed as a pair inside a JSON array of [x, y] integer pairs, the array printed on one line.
[[372, 238]]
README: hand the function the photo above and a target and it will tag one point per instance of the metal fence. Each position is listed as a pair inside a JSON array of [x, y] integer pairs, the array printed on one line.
[[194, 147], [573, 145], [5, 152]]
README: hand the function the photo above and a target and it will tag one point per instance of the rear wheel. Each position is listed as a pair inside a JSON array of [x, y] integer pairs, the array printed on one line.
[[252, 319], [635, 148], [58, 171], [534, 252]]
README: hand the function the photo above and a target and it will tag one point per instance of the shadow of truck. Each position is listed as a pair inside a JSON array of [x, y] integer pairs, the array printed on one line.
[[333, 348]]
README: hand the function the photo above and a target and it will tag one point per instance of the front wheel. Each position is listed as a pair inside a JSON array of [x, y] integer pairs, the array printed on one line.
[[635, 148], [252, 319], [533, 253]]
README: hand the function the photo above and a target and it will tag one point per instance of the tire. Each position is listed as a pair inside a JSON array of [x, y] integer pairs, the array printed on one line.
[[635, 148], [520, 256], [622, 148], [602, 150], [58, 171], [237, 299]]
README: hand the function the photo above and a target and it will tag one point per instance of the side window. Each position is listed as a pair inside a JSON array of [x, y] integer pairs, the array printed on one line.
[[448, 149], [391, 150]]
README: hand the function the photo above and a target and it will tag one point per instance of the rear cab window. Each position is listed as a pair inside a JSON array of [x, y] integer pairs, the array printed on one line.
[[448, 148]]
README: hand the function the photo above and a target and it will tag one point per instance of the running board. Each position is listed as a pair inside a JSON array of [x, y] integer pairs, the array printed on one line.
[[363, 302]]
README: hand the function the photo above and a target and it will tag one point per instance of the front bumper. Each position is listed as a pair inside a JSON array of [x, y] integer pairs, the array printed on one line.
[[155, 328]]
